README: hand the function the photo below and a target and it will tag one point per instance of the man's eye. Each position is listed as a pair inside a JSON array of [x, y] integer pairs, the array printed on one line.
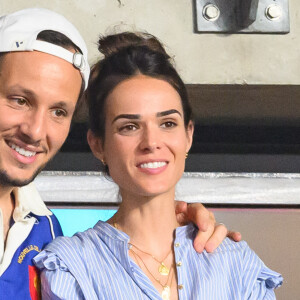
[[20, 101], [59, 113]]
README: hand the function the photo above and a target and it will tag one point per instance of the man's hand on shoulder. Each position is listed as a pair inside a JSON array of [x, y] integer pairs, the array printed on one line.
[[210, 234]]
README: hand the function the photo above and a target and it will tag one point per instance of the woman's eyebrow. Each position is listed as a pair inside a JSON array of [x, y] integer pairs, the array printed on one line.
[[168, 112], [127, 116], [138, 117]]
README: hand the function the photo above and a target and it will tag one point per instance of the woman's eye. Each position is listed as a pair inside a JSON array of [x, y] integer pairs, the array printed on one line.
[[168, 124], [128, 128]]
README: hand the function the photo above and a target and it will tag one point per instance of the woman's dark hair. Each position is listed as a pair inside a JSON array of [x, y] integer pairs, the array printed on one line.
[[126, 55]]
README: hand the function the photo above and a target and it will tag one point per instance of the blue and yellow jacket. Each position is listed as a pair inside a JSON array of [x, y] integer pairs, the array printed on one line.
[[33, 228]]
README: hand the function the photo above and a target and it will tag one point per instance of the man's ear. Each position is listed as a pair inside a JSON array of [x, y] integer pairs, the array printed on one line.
[[189, 134], [96, 145]]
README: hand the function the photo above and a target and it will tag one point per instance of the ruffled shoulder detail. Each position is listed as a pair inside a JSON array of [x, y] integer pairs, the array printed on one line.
[[49, 260], [271, 279]]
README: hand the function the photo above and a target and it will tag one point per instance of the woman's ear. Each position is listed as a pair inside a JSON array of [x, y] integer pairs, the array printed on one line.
[[189, 134], [96, 145]]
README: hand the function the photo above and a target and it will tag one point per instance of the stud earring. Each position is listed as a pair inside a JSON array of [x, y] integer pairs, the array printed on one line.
[[186, 155], [103, 162]]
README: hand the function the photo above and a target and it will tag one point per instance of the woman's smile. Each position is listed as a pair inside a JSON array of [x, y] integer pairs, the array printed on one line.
[[153, 168]]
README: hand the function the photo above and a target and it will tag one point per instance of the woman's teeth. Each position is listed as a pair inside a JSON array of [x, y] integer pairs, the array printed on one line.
[[153, 165]]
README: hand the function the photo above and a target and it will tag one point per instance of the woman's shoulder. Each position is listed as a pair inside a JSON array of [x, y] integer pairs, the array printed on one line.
[[238, 252], [76, 242], [257, 275], [229, 245], [63, 251], [85, 243]]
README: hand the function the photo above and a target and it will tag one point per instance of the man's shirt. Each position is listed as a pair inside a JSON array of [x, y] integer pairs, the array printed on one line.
[[34, 226]]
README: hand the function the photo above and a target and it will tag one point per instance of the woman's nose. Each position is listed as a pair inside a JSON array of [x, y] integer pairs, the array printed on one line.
[[150, 140]]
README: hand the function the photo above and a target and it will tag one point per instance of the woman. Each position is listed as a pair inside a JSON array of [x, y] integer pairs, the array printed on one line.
[[141, 129]]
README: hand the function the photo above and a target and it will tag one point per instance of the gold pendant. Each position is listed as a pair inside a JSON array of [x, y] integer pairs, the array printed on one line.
[[166, 293], [163, 269]]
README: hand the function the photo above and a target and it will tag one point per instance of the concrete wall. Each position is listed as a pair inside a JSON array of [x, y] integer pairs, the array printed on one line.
[[200, 58]]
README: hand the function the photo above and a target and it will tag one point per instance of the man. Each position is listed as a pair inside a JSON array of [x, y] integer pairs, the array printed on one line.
[[40, 83], [43, 72]]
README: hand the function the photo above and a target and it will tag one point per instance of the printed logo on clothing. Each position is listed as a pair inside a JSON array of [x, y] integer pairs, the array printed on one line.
[[26, 251]]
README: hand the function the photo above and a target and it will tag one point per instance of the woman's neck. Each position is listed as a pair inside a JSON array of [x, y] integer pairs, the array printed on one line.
[[149, 221]]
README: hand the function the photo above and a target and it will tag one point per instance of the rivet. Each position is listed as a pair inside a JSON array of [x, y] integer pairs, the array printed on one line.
[[273, 12], [211, 12]]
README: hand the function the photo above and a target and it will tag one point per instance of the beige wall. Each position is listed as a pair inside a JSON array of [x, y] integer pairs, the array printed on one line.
[[274, 235], [201, 58]]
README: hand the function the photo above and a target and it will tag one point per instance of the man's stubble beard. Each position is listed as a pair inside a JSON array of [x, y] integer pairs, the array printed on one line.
[[6, 180]]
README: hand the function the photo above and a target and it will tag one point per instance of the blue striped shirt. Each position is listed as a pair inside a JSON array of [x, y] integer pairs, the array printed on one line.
[[95, 264]]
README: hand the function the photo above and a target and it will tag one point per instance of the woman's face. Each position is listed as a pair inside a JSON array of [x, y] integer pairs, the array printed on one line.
[[145, 137]]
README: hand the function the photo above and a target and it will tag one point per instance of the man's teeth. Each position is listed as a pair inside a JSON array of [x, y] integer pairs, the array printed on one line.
[[153, 165], [22, 151]]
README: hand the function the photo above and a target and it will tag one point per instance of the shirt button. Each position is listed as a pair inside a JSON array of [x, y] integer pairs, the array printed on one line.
[[177, 245], [179, 264], [180, 286]]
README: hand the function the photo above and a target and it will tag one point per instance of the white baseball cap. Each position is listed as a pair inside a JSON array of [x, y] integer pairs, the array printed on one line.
[[19, 31]]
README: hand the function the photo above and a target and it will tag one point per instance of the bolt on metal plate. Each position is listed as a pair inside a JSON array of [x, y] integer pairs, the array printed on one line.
[[242, 16]]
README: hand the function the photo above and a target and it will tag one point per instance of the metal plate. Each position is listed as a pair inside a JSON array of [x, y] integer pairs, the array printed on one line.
[[230, 14]]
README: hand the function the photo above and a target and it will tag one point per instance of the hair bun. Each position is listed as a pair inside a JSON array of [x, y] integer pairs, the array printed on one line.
[[112, 44]]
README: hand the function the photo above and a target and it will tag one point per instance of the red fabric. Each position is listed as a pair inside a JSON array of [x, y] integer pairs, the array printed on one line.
[[34, 283]]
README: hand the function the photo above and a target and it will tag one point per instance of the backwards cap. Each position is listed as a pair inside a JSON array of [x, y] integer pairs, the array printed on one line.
[[19, 31]]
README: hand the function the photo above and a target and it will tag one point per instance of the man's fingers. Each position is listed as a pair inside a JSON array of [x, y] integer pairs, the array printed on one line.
[[210, 239], [180, 207], [201, 240], [200, 216], [210, 234], [217, 237], [195, 213], [234, 235]]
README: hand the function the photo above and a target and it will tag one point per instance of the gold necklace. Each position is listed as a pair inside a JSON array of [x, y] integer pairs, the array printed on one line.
[[162, 268], [166, 292]]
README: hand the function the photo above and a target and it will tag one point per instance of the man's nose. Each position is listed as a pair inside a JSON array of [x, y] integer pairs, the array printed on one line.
[[34, 126]]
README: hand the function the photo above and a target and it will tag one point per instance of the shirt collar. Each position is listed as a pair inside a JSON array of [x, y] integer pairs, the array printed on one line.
[[28, 200]]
